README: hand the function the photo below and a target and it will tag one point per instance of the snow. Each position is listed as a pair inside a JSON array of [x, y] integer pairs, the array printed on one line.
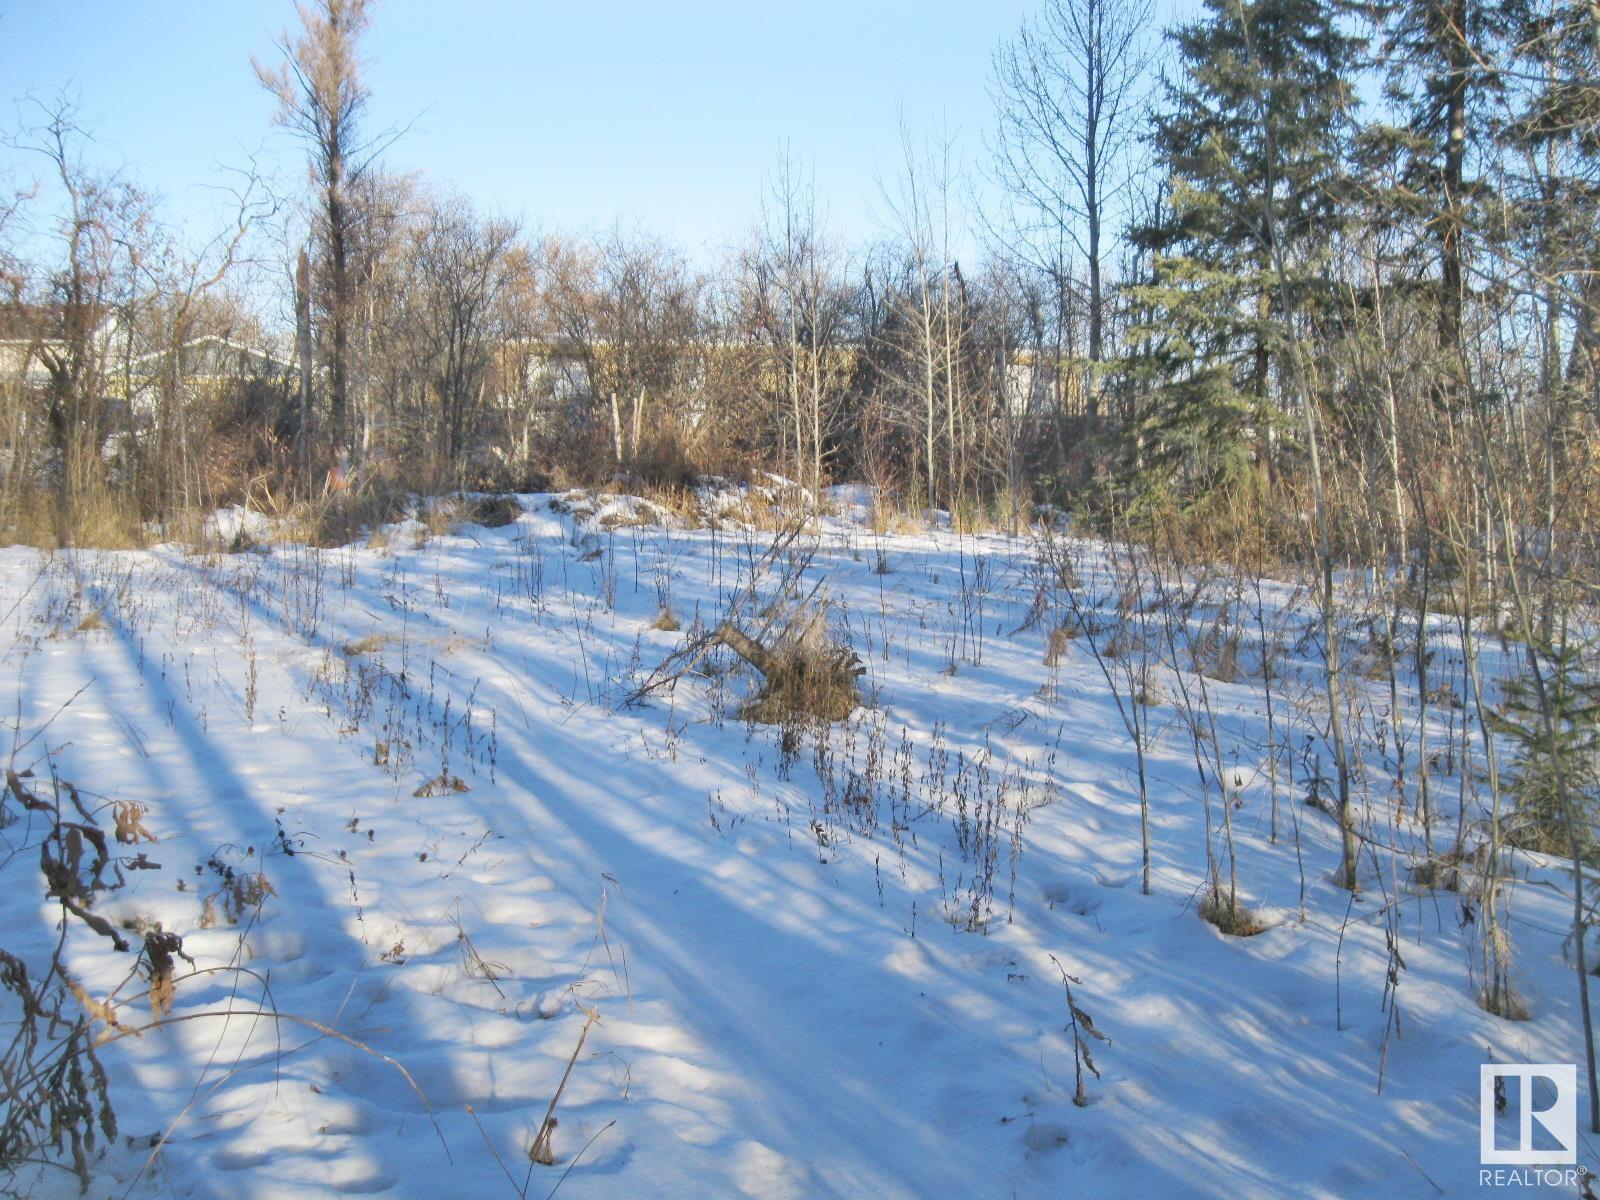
[[804, 986], [235, 523], [854, 501]]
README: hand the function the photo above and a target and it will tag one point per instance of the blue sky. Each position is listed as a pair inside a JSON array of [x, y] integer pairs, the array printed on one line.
[[668, 114]]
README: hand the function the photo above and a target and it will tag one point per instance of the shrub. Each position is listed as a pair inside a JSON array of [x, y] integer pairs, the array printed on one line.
[[492, 512]]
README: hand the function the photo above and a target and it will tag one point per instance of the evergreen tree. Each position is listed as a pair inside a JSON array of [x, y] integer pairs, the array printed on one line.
[[1551, 135], [1439, 79], [1554, 730], [1252, 143]]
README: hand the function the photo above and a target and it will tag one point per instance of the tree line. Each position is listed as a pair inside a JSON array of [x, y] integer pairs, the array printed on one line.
[[1289, 247]]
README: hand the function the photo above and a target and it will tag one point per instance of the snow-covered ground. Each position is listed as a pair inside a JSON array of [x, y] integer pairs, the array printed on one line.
[[825, 968]]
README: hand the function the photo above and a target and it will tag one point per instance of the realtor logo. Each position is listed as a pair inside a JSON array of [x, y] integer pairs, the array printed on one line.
[[1547, 1115]]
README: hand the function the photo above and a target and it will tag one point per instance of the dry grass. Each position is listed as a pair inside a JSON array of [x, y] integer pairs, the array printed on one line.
[[106, 521], [442, 784], [1060, 641], [765, 506], [666, 621], [683, 504], [1504, 1003], [47, 521], [1450, 870], [642, 511], [628, 518], [438, 517], [1149, 693], [1433, 874], [492, 512], [1231, 917], [1217, 655], [1447, 598], [808, 674], [888, 517], [340, 518]]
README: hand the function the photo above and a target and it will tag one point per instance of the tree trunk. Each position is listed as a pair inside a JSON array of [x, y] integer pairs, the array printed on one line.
[[302, 324]]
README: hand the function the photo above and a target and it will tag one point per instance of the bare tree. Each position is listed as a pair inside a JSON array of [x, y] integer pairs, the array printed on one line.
[[322, 99], [628, 315], [790, 281], [929, 297], [1068, 90], [86, 295], [461, 266]]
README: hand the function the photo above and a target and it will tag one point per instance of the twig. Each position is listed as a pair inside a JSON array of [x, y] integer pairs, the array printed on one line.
[[541, 1151]]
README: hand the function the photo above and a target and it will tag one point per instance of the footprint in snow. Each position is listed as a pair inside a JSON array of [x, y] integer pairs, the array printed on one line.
[[1045, 1136], [1071, 899]]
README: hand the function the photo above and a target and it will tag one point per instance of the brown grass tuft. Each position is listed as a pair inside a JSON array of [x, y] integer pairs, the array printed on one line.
[[492, 512], [808, 674], [1231, 917], [344, 517], [370, 644], [1504, 1003], [1060, 640]]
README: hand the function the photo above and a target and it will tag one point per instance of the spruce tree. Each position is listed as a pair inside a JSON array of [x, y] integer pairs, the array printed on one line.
[[1439, 79], [1550, 135], [1554, 730], [1252, 144]]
